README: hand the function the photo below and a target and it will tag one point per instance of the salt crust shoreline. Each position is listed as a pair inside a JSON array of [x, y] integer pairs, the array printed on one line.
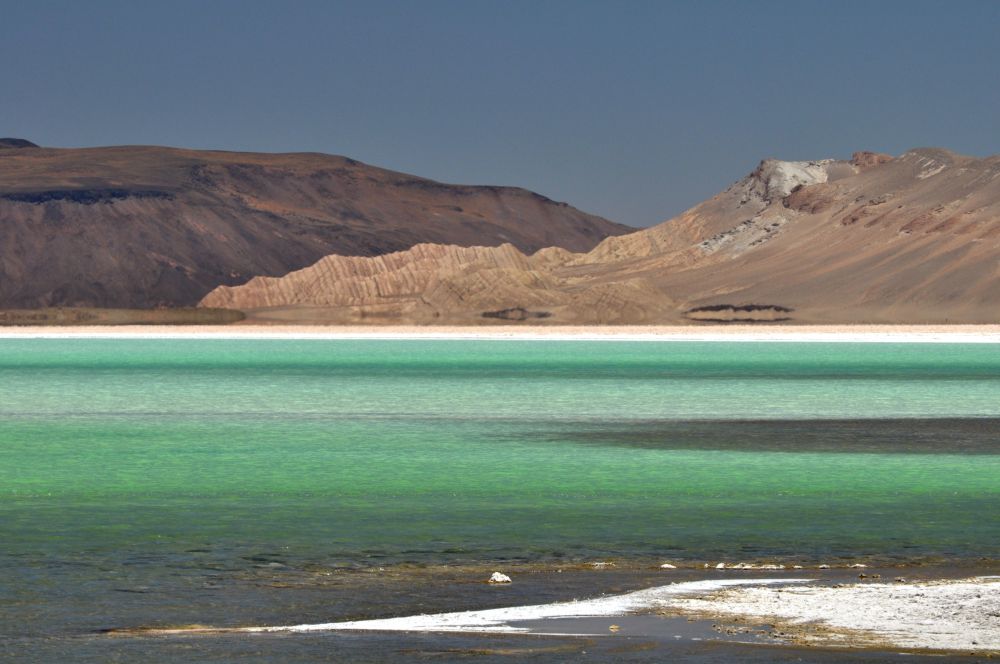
[[499, 620], [954, 616], [770, 333], [936, 615]]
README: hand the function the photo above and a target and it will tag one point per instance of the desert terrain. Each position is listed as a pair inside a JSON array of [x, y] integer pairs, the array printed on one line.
[[875, 239], [144, 227]]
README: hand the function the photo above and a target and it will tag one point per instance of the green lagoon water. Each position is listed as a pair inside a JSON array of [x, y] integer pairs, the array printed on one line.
[[139, 477]]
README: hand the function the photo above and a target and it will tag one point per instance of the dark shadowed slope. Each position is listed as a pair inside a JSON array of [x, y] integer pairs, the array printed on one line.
[[16, 143], [149, 226]]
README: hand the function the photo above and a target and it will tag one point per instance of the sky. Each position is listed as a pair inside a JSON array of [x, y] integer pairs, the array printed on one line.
[[631, 110]]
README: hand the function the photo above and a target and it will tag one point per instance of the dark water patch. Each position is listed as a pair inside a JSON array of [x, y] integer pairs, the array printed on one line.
[[611, 360], [516, 314], [391, 648], [866, 436]]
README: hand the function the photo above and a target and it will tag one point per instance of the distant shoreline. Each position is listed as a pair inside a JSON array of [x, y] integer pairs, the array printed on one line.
[[732, 333]]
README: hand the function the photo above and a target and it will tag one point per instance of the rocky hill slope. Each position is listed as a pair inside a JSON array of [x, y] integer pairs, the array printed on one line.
[[874, 239], [150, 226]]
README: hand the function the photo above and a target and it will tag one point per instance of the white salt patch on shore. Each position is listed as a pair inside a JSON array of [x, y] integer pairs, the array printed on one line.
[[499, 620], [943, 615], [825, 334], [499, 577], [939, 615], [751, 566]]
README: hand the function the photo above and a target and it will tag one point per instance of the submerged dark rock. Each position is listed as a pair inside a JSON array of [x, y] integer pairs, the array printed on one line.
[[516, 313]]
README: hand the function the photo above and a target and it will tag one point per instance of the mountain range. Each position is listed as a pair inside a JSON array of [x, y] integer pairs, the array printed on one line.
[[880, 239], [317, 238], [146, 227]]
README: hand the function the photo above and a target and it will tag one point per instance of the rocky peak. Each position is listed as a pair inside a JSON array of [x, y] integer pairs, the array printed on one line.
[[774, 179], [928, 162], [864, 159]]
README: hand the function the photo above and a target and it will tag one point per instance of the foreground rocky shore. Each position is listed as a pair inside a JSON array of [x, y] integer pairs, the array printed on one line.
[[853, 607]]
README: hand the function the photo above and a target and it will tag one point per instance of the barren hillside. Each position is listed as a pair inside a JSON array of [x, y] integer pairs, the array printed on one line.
[[149, 226], [874, 239]]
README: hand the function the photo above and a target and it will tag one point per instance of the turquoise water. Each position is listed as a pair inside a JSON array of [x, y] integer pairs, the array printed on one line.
[[151, 464]]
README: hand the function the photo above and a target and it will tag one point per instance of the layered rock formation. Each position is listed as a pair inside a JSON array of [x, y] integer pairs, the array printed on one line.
[[148, 226], [872, 239]]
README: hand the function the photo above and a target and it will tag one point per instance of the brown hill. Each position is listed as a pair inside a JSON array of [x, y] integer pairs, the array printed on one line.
[[148, 226], [15, 143], [873, 239]]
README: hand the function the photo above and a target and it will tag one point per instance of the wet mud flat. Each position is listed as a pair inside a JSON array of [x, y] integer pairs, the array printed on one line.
[[641, 637]]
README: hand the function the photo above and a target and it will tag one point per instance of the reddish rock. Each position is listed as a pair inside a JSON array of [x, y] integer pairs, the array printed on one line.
[[865, 160]]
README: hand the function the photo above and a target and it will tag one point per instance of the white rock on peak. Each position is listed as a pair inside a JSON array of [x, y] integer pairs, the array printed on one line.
[[779, 178]]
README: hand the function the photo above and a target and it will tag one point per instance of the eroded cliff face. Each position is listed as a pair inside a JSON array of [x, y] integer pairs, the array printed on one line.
[[146, 226], [874, 239]]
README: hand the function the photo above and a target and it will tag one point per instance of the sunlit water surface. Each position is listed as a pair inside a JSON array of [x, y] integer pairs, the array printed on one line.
[[166, 481]]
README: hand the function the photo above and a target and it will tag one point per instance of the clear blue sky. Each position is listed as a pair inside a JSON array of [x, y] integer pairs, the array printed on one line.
[[632, 110]]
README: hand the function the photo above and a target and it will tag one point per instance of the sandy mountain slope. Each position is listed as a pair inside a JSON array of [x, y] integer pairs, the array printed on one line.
[[149, 226], [874, 239]]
